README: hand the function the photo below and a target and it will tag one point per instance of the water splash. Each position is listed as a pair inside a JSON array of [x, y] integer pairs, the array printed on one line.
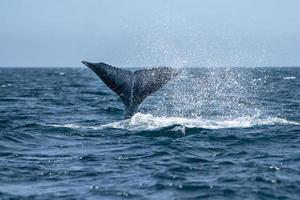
[[142, 122], [225, 93], [149, 122]]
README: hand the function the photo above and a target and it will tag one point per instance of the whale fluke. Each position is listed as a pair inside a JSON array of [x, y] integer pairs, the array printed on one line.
[[132, 87]]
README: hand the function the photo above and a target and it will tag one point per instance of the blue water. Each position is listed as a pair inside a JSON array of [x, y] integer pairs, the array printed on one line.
[[217, 133]]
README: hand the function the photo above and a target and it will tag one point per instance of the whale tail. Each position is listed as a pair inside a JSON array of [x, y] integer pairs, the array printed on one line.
[[132, 87]]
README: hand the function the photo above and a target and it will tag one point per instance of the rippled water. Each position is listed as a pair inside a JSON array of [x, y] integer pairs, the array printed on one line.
[[219, 133]]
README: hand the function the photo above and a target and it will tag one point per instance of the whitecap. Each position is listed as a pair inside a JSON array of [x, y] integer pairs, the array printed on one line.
[[289, 77]]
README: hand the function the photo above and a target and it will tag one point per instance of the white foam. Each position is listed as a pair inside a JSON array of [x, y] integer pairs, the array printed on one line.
[[289, 77], [141, 122], [148, 122], [74, 126]]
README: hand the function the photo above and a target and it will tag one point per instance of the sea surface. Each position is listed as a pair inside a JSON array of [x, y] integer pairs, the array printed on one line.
[[212, 133]]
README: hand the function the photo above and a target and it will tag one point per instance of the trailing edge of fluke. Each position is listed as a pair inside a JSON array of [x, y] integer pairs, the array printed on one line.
[[132, 87]]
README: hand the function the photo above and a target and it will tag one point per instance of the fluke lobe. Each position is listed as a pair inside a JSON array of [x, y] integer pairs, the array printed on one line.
[[132, 87]]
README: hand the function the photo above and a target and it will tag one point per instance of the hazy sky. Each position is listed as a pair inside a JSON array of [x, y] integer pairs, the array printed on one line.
[[133, 33]]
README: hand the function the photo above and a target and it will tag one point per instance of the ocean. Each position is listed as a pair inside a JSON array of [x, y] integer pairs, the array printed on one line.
[[212, 133]]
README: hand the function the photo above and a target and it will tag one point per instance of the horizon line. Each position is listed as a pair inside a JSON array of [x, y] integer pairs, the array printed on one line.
[[233, 66]]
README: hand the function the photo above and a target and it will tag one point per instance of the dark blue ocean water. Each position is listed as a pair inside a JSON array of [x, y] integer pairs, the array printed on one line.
[[217, 133]]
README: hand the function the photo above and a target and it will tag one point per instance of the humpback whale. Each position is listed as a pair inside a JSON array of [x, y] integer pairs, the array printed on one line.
[[132, 87]]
